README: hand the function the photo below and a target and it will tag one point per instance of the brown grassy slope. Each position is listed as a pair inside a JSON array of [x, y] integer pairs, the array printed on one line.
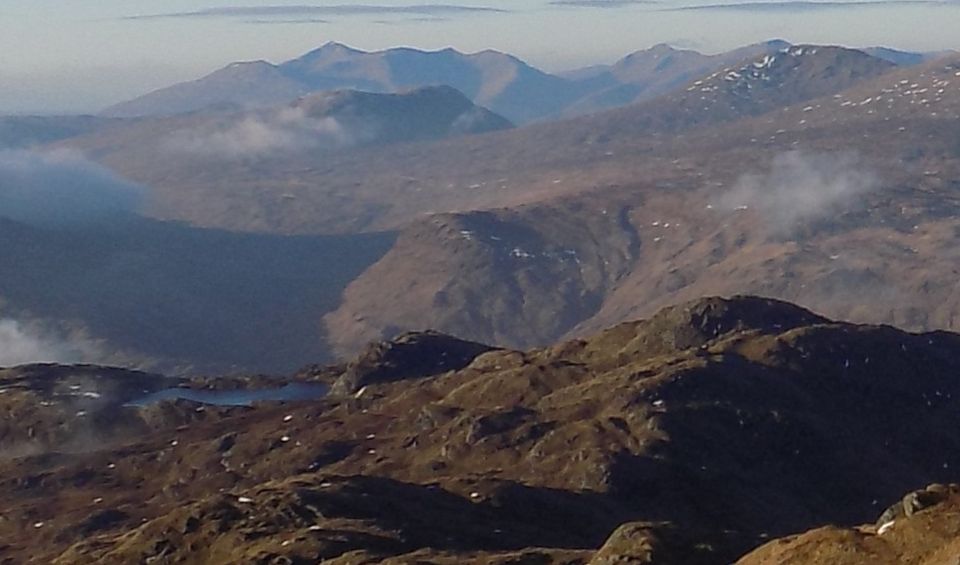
[[930, 536], [716, 423], [515, 277], [646, 74], [882, 249], [886, 255]]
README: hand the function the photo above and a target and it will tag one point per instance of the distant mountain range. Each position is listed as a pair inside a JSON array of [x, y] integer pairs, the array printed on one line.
[[458, 175], [498, 81], [646, 74], [905, 58], [800, 174]]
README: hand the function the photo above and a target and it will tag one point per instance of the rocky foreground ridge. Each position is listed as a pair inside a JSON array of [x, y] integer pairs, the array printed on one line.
[[700, 435]]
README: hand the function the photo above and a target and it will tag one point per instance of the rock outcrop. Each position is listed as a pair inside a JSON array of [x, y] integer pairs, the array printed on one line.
[[693, 437]]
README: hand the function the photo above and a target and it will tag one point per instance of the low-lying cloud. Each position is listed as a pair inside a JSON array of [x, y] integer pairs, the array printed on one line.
[[285, 131], [61, 189], [801, 187], [21, 344]]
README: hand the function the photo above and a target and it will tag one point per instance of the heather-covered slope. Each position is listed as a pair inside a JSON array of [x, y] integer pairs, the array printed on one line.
[[845, 203], [697, 435], [923, 528], [515, 277], [656, 71]]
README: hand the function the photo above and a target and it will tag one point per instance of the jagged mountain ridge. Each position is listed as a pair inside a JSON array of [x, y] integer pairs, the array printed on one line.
[[692, 437], [495, 80], [652, 72]]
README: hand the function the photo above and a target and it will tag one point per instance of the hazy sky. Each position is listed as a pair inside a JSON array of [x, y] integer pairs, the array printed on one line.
[[71, 55]]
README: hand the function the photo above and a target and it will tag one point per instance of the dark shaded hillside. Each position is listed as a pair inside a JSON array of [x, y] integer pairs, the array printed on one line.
[[309, 128], [425, 113], [55, 408], [690, 437], [920, 528], [182, 298]]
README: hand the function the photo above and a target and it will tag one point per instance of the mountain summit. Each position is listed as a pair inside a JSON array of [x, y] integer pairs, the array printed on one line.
[[652, 72], [492, 79], [498, 81]]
